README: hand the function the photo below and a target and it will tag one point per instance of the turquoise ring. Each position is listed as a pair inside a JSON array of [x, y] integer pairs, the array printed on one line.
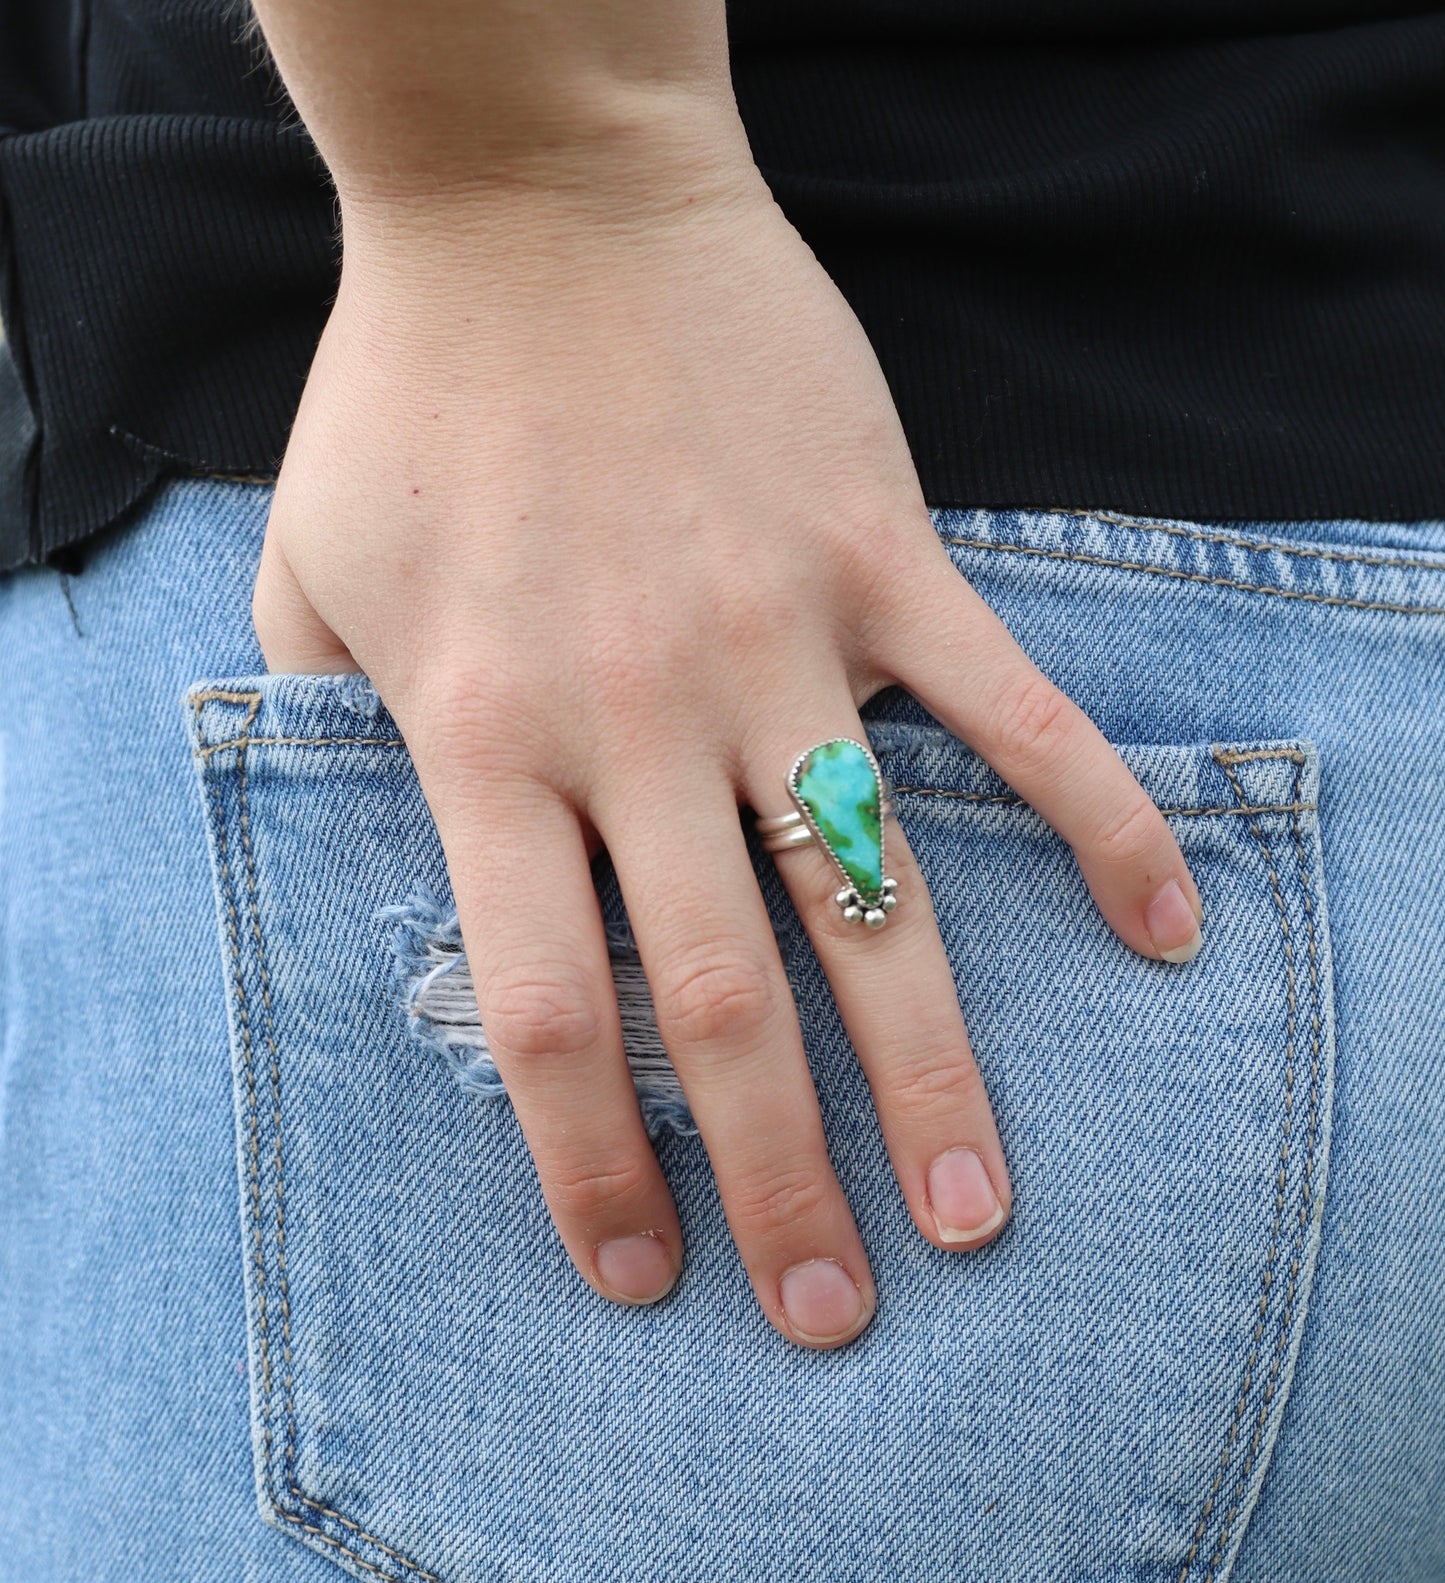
[[842, 800]]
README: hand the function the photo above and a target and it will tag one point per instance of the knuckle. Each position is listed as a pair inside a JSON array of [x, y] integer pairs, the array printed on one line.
[[769, 1201], [746, 614], [588, 1192], [623, 671], [619, 677], [747, 626], [877, 557], [534, 1014], [713, 993], [945, 1081], [1034, 725], [470, 711], [483, 743], [1131, 834]]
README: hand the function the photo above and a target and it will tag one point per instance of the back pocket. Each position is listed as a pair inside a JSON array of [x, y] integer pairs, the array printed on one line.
[[437, 1396]]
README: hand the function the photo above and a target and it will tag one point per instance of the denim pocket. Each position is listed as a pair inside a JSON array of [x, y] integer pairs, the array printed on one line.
[[435, 1395]]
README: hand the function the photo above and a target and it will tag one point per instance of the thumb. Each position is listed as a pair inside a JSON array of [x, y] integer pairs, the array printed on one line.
[[293, 637]]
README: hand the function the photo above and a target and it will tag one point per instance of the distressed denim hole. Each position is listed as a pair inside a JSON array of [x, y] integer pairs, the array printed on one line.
[[440, 1002]]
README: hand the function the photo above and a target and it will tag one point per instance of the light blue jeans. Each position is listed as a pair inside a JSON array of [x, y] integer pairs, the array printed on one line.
[[278, 1293]]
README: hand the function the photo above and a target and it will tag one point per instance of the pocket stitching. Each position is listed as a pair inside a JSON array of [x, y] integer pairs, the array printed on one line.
[[1344, 600], [1308, 1184], [1261, 546], [242, 742], [1012, 800], [253, 701]]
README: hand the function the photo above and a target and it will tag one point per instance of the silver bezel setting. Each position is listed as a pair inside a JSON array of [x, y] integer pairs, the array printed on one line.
[[854, 906]]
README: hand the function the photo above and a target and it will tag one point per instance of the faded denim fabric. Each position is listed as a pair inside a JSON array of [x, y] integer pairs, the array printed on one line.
[[278, 1292]]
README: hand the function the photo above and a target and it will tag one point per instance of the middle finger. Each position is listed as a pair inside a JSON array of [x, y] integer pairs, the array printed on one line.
[[725, 1011]]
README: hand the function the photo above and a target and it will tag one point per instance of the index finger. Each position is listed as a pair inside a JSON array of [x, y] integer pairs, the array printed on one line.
[[958, 658]]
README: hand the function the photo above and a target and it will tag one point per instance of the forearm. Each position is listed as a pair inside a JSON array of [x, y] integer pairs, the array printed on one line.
[[432, 97]]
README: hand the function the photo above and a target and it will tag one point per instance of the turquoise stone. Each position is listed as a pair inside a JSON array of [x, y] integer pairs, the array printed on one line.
[[838, 787]]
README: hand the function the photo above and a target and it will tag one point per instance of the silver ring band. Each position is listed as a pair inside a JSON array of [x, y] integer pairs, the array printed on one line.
[[780, 831]]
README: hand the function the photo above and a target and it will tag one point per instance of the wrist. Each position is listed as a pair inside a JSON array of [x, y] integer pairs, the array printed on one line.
[[591, 144], [439, 93], [640, 160]]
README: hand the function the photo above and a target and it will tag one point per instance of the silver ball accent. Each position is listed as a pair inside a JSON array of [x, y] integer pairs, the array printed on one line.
[[889, 901], [890, 884], [845, 896], [851, 912], [875, 917]]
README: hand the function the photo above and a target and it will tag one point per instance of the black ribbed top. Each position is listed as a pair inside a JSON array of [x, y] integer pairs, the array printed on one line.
[[1176, 257]]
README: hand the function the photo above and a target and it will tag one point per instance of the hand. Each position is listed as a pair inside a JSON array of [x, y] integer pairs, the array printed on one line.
[[604, 489]]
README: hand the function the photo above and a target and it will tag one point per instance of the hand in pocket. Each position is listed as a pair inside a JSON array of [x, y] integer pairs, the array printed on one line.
[[611, 502]]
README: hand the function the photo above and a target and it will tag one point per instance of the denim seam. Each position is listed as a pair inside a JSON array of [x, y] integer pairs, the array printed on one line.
[[291, 1484], [1228, 756], [243, 804], [1263, 546], [243, 1018], [1002, 798], [253, 701], [1008, 800], [1340, 600], [270, 742], [1227, 761], [226, 696], [1307, 1184]]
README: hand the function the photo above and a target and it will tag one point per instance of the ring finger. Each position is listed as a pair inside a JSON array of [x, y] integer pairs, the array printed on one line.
[[893, 985]]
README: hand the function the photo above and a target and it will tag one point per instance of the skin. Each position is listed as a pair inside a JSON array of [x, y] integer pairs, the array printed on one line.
[[597, 477]]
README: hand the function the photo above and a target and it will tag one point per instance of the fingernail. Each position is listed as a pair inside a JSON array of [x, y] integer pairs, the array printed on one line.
[[821, 1300], [965, 1206], [637, 1269], [1172, 925]]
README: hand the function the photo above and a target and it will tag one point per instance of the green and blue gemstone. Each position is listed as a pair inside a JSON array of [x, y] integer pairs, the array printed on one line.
[[838, 788]]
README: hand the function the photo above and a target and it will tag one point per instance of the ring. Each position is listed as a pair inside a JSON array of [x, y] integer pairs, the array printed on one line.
[[842, 800]]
